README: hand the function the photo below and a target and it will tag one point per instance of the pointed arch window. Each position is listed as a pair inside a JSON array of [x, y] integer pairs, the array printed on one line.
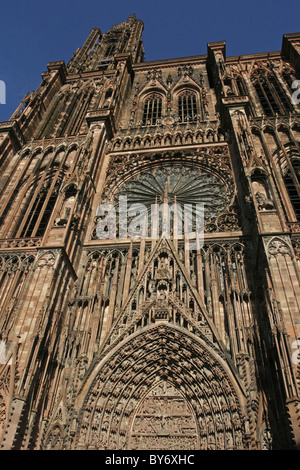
[[66, 115], [241, 86], [77, 110], [40, 204], [292, 183], [152, 110], [110, 50], [271, 95], [187, 107]]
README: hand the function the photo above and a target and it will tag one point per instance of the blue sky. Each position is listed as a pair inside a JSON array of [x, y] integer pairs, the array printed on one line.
[[33, 33]]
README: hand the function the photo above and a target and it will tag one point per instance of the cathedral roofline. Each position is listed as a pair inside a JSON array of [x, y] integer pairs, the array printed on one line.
[[171, 61], [202, 58], [287, 39]]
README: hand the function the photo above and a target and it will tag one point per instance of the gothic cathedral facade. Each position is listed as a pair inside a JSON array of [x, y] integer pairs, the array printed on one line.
[[117, 330]]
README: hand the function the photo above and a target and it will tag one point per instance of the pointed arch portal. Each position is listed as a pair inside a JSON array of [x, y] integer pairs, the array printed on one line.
[[161, 388]]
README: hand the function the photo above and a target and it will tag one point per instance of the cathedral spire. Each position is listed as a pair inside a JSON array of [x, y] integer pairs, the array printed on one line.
[[99, 49]]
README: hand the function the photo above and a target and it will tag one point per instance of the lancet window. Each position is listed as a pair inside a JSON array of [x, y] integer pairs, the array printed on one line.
[[110, 50], [152, 110], [187, 106], [271, 95], [291, 179], [40, 201], [241, 86], [67, 114]]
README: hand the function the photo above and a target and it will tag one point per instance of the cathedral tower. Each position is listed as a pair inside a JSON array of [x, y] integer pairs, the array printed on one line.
[[149, 251]]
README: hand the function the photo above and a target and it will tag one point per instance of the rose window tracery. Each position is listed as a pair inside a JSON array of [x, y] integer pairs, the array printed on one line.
[[186, 191]]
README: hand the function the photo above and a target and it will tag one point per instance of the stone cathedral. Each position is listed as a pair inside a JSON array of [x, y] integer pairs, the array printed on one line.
[[115, 333]]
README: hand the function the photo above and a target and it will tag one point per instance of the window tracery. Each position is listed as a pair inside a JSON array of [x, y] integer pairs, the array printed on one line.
[[240, 85], [110, 50], [187, 107], [40, 201], [152, 111], [184, 190], [270, 93], [66, 116], [291, 177]]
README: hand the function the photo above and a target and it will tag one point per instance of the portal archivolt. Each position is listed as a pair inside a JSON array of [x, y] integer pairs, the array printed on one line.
[[162, 365]]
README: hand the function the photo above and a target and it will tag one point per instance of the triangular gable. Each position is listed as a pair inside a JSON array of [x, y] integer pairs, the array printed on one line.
[[163, 301]]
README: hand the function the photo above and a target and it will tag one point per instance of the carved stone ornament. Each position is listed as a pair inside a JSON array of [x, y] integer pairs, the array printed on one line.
[[262, 202], [201, 178], [54, 439], [161, 390], [278, 246], [46, 260]]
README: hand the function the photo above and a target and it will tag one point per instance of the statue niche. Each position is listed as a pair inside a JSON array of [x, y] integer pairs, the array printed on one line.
[[261, 191], [68, 202]]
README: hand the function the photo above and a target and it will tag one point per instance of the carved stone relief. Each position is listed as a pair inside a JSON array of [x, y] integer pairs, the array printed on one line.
[[144, 385], [279, 246], [164, 420], [54, 439]]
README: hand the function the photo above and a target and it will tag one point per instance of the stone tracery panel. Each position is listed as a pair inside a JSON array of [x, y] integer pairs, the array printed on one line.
[[55, 438], [188, 178], [14, 271]]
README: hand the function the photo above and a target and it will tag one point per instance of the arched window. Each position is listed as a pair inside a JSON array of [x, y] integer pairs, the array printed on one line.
[[110, 50], [152, 110], [67, 114], [271, 95], [241, 86], [187, 106], [72, 122], [292, 184], [38, 209]]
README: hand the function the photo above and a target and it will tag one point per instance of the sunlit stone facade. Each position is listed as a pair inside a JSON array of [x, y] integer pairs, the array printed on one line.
[[117, 333]]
